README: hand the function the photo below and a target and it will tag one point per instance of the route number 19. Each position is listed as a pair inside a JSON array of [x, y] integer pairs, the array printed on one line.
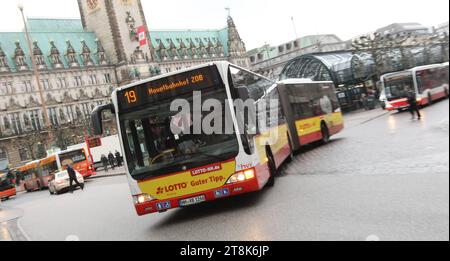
[[131, 97]]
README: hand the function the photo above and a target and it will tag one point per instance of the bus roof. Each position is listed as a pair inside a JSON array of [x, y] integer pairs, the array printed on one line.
[[301, 80], [430, 66], [162, 76], [400, 73], [67, 151], [29, 165]]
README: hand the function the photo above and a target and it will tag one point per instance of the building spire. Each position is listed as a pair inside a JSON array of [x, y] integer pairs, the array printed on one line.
[[236, 47]]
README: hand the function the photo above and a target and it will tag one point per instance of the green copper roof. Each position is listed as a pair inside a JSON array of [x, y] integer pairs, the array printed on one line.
[[54, 25], [185, 35], [7, 43]]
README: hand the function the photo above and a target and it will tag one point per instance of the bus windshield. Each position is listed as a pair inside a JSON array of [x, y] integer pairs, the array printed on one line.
[[72, 157], [398, 87], [153, 150]]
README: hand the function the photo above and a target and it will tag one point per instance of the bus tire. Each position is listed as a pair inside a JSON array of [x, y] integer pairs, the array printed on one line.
[[291, 156], [272, 169], [446, 93], [430, 100], [325, 133]]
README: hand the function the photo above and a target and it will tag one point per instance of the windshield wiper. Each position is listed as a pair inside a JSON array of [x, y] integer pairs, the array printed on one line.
[[208, 155]]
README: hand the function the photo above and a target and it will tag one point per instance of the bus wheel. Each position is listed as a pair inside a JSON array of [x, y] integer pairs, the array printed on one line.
[[272, 169], [430, 100], [325, 133], [291, 156], [446, 92]]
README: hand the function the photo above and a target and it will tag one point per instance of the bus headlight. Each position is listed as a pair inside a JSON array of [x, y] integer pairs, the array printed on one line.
[[242, 176], [143, 198]]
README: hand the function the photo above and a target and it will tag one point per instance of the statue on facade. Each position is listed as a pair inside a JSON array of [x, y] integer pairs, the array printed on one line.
[[38, 56], [55, 56], [19, 57], [71, 55], [86, 54], [131, 24], [101, 54], [4, 67]]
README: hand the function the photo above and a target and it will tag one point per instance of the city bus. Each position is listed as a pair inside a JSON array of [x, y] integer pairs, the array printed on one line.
[[79, 160], [38, 173], [7, 187], [167, 169], [430, 83]]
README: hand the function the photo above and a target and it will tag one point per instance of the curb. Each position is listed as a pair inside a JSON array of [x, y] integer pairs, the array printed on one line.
[[107, 176], [375, 117]]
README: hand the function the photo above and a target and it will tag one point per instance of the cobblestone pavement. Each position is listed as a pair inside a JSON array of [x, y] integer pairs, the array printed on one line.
[[384, 177]]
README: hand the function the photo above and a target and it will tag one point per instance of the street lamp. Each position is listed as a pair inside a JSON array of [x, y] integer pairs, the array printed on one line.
[[36, 74]]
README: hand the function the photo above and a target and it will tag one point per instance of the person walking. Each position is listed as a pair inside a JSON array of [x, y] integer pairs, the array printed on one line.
[[73, 178], [105, 162], [118, 159], [413, 106], [111, 160]]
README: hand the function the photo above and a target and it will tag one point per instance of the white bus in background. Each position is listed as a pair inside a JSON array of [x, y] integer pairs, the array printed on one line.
[[429, 82], [109, 144]]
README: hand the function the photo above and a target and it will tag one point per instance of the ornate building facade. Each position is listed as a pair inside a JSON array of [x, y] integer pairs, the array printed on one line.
[[80, 62]]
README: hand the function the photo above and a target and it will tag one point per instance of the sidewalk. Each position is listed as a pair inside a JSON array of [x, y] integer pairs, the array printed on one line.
[[110, 173], [9, 227]]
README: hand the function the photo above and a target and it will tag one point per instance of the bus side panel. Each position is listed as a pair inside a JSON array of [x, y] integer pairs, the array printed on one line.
[[290, 118], [8, 193], [309, 130]]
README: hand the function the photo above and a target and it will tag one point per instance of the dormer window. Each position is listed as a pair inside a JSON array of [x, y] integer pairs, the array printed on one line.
[[288, 46]]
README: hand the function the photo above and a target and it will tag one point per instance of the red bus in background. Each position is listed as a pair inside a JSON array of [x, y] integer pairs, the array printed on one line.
[[430, 83], [79, 160], [7, 187]]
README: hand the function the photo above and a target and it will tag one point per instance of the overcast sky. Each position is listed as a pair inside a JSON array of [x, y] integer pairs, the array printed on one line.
[[258, 21]]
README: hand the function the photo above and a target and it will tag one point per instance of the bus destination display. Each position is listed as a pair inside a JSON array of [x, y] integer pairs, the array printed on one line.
[[168, 87]]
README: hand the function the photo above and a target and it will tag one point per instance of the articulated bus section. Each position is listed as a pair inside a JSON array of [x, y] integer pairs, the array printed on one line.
[[167, 171]]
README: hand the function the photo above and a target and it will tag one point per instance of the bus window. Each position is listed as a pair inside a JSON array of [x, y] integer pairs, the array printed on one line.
[[429, 79], [301, 104], [398, 87], [256, 85], [49, 168], [73, 157], [152, 149]]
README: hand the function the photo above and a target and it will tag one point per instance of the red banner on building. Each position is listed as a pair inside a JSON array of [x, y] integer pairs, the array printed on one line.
[[142, 36]]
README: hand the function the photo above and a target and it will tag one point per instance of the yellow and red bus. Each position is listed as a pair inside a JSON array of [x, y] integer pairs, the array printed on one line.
[[79, 160], [429, 82], [38, 173], [167, 169]]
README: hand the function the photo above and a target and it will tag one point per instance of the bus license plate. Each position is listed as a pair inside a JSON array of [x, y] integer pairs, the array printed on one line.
[[192, 201]]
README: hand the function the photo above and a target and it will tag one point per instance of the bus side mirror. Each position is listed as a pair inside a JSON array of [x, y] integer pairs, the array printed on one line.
[[243, 93], [97, 117]]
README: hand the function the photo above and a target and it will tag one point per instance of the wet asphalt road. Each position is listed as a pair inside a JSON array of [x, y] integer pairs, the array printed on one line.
[[384, 178]]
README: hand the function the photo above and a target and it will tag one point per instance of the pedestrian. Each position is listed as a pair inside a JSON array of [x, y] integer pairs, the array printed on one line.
[[118, 159], [111, 160], [104, 160], [73, 178], [413, 106]]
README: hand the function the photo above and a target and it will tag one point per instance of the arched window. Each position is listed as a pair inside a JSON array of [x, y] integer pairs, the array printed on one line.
[[6, 123]]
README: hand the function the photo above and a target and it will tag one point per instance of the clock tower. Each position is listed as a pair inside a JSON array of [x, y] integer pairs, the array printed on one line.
[[120, 26]]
